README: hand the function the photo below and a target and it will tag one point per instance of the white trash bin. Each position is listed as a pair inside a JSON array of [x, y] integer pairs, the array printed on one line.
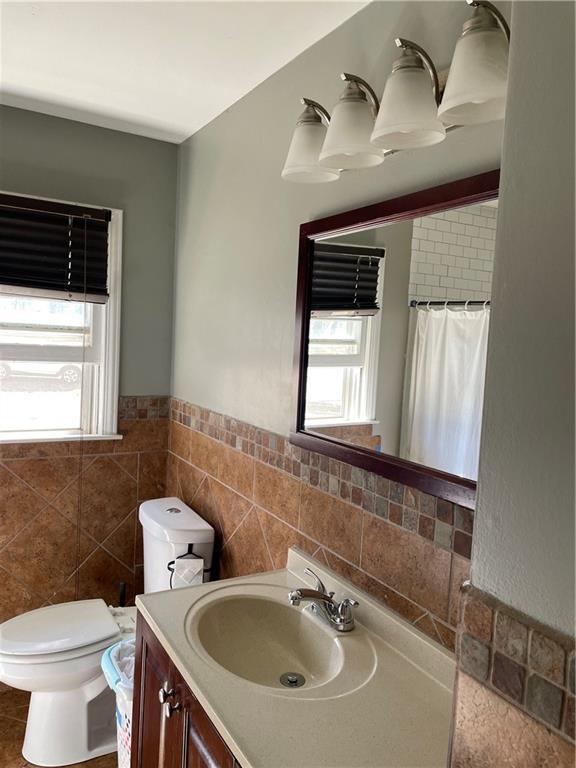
[[118, 667]]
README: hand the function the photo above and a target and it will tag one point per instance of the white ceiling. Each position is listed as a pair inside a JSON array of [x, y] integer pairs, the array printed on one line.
[[157, 69]]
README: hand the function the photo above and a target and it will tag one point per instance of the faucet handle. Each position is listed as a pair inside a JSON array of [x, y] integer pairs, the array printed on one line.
[[319, 584], [345, 609]]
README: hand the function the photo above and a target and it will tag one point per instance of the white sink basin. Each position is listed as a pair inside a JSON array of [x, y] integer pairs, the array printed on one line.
[[257, 636]]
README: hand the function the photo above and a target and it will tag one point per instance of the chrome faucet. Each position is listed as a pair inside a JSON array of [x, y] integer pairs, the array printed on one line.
[[338, 615]]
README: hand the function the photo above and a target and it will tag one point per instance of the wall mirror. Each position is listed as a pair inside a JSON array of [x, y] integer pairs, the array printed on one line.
[[392, 321]]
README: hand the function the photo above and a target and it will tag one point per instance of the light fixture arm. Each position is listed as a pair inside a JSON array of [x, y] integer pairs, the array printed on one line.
[[502, 23], [366, 87], [408, 45], [318, 108]]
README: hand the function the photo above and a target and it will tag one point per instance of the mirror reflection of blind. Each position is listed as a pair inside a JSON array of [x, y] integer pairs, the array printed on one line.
[[345, 278], [54, 248]]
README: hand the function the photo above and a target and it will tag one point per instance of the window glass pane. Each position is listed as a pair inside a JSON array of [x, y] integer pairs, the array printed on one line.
[[40, 396], [325, 393], [335, 336], [27, 320], [333, 393], [32, 311]]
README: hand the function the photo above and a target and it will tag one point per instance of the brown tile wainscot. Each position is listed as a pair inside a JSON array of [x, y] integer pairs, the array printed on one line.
[[514, 701], [263, 495], [68, 511]]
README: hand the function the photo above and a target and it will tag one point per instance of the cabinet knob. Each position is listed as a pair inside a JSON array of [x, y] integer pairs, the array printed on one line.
[[165, 693], [169, 708]]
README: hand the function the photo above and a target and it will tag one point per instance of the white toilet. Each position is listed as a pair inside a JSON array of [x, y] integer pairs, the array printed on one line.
[[55, 652]]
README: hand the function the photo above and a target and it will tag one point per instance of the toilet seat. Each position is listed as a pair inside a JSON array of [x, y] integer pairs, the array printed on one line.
[[56, 629], [64, 632], [47, 658]]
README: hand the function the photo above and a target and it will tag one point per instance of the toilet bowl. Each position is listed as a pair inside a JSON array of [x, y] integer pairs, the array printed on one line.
[[55, 653]]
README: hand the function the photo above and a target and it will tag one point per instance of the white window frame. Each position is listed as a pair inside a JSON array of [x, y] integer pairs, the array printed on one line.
[[107, 396], [367, 360]]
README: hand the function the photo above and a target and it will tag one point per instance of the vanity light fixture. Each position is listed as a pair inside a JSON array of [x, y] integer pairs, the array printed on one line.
[[347, 144], [476, 87], [302, 160], [413, 112], [408, 116]]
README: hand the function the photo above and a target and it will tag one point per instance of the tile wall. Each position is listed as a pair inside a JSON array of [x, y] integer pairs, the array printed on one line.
[[69, 527], [453, 254], [68, 512], [515, 691], [263, 495]]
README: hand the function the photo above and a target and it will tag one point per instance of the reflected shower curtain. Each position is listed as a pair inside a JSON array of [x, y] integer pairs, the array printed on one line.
[[444, 389]]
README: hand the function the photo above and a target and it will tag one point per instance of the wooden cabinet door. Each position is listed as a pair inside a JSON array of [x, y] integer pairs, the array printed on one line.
[[157, 740], [185, 739], [203, 745]]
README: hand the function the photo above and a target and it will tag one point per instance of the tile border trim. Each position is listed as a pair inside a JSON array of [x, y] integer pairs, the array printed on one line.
[[529, 664], [143, 407], [447, 525]]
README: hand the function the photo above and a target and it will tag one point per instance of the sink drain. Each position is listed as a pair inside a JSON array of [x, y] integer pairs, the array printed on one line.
[[292, 679]]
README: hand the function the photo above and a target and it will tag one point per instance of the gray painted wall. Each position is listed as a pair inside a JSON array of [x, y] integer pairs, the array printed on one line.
[[524, 532], [237, 232], [397, 239], [51, 157]]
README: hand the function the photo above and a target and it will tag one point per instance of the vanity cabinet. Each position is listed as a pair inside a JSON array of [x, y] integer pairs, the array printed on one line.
[[170, 729]]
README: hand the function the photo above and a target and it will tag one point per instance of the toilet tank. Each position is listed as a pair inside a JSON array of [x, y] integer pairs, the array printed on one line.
[[171, 529]]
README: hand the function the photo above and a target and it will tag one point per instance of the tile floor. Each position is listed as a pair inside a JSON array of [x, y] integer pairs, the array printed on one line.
[[13, 710]]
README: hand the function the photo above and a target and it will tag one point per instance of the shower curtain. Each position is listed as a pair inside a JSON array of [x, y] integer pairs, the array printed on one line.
[[444, 389]]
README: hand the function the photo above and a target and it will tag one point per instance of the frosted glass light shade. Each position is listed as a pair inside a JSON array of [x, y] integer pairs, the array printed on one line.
[[347, 144], [476, 87], [302, 160], [408, 116]]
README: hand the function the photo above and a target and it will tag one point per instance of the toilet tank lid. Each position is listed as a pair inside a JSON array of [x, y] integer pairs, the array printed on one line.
[[171, 520], [56, 628]]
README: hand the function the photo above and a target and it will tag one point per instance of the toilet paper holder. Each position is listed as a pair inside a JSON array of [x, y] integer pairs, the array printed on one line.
[[189, 555]]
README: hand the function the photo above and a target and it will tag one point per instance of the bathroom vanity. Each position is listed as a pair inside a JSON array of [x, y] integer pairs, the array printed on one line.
[[171, 729], [230, 674]]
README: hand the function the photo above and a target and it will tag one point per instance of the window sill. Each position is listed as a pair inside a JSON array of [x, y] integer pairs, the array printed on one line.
[[52, 437]]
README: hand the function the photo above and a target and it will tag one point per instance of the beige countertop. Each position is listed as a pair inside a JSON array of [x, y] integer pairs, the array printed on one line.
[[398, 715]]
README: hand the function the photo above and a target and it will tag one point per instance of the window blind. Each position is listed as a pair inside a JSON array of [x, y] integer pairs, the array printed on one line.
[[345, 278], [54, 248]]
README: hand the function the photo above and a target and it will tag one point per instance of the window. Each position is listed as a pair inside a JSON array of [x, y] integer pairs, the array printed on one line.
[[346, 290], [340, 370], [59, 320]]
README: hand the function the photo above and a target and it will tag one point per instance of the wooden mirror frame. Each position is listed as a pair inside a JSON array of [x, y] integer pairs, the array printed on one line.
[[469, 191]]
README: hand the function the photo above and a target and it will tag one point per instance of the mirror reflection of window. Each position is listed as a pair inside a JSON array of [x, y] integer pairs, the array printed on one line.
[[401, 371], [343, 340]]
